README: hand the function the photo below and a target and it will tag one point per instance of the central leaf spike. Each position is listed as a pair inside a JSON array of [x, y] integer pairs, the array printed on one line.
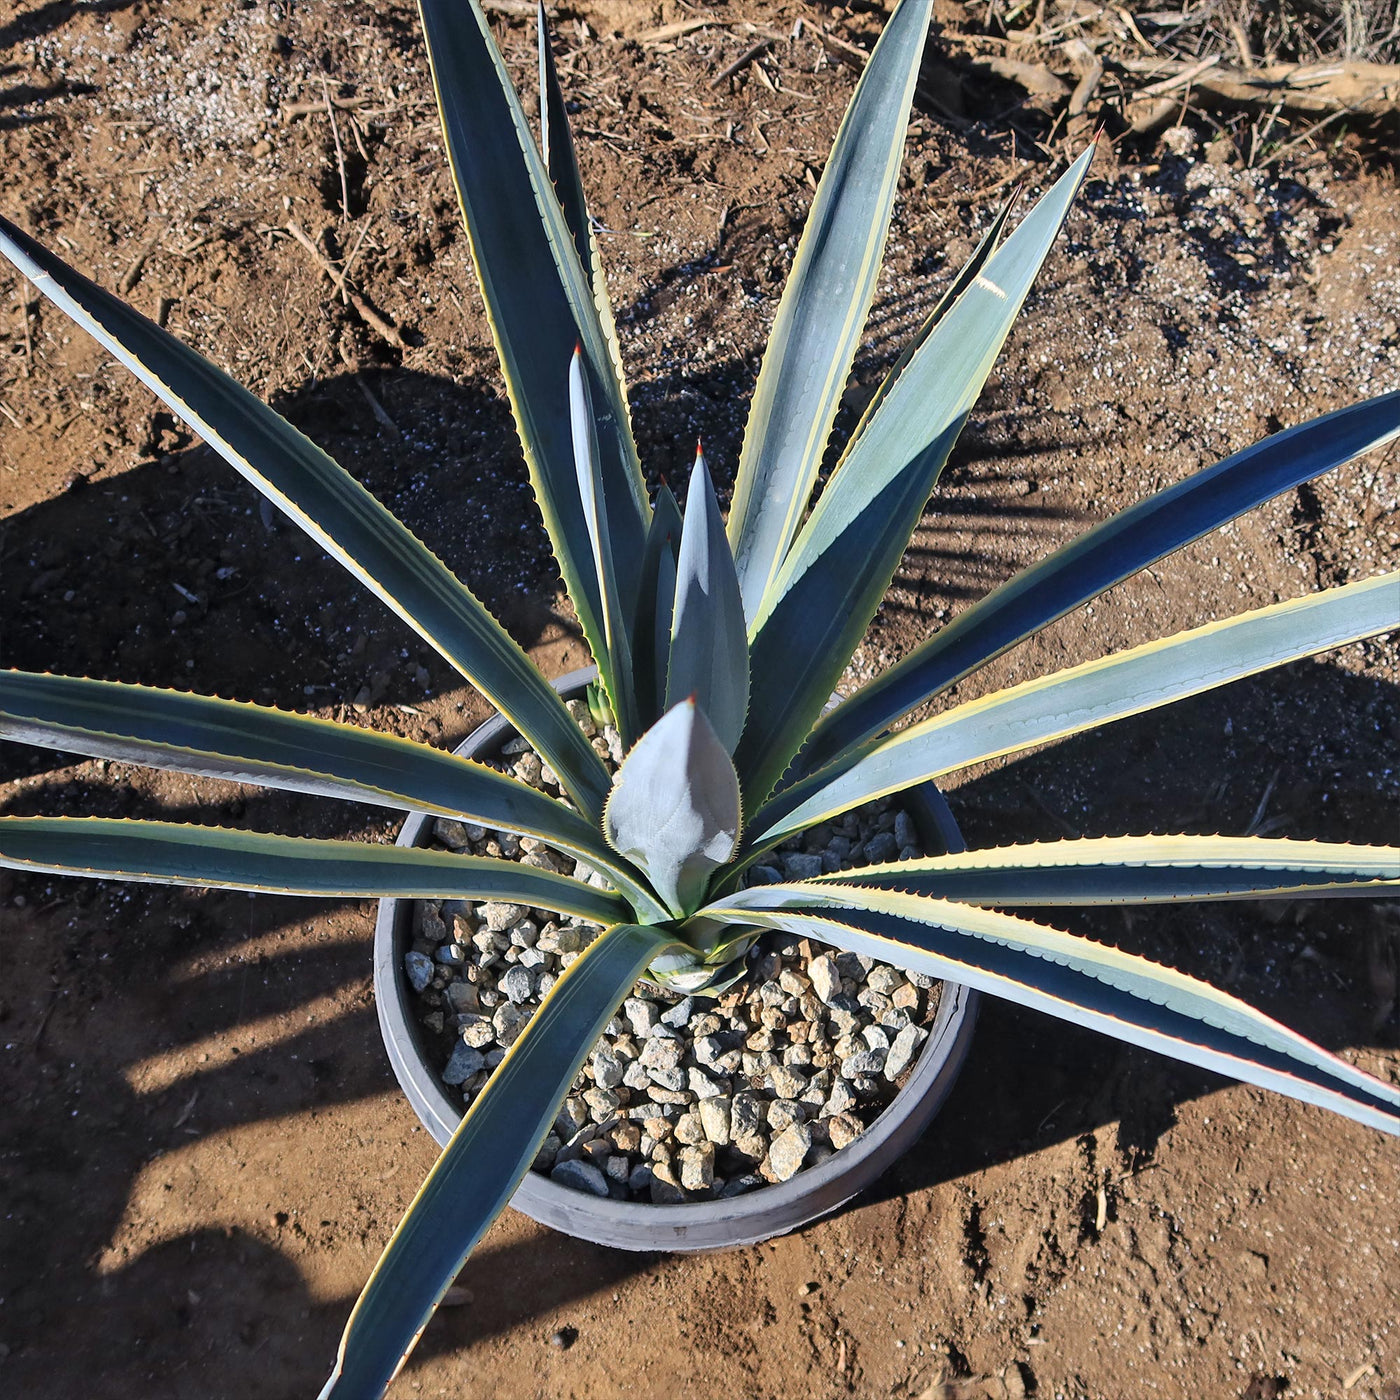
[[709, 647], [674, 807]]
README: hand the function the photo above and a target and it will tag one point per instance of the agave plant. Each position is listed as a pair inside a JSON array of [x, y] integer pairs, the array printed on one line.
[[717, 649]]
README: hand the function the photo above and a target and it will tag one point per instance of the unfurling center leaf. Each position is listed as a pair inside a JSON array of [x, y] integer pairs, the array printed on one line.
[[674, 807]]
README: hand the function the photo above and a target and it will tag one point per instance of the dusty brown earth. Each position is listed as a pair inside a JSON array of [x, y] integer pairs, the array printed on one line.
[[201, 1146]]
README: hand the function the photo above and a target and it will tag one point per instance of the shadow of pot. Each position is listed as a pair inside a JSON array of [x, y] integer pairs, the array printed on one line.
[[698, 1225]]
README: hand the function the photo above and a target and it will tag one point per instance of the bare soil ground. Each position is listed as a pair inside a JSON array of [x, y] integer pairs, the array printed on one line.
[[201, 1146]]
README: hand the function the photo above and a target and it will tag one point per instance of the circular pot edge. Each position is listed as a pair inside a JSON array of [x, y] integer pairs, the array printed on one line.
[[699, 1225]]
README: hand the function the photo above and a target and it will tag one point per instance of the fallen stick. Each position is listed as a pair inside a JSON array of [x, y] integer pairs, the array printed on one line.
[[386, 329]]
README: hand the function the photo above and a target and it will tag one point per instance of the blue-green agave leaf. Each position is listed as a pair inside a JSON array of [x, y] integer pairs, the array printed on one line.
[[967, 275], [709, 642], [540, 301], [674, 808], [832, 580], [1140, 870], [245, 743], [213, 857], [615, 662], [1086, 983], [331, 506], [1100, 558], [1085, 696], [656, 596], [485, 1161], [824, 307]]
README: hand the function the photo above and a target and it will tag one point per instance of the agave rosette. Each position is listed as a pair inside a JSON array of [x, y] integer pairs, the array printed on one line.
[[725, 759]]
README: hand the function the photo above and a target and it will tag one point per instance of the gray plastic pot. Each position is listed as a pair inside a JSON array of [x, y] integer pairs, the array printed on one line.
[[747, 1219]]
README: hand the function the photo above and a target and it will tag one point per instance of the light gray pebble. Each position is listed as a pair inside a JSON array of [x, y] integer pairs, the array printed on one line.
[[714, 1118], [902, 1052], [499, 917], [785, 1082], [475, 1030], [679, 1014], [608, 1069], [602, 1103], [517, 984], [697, 1166], [826, 981], [862, 1063], [509, 1020], [702, 1086], [884, 979], [789, 1148]]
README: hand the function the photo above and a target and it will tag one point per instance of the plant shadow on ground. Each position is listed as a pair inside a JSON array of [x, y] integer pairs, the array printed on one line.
[[159, 1018]]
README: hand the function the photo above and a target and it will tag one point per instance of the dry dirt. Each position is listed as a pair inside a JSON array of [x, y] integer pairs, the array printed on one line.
[[201, 1146]]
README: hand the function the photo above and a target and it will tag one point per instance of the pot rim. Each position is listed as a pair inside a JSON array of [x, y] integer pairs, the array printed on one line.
[[694, 1225]]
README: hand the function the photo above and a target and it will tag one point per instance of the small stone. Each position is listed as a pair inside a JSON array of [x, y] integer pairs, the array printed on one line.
[[793, 983], [419, 968], [579, 1175], [906, 997], [663, 1095], [617, 1169], [701, 1085], [661, 1054], [602, 1104], [509, 1020], [671, 1080], [905, 832], [452, 834], [826, 981], [786, 1083], [697, 1166], [863, 1063], [464, 1062], [499, 917], [881, 848], [689, 1130], [882, 978], [853, 967], [679, 1014], [843, 1129], [765, 875], [748, 1114], [752, 1147], [799, 866], [627, 1137], [641, 1015], [876, 1038], [572, 1115], [462, 997], [902, 1052], [517, 984], [736, 1186], [635, 1076], [608, 1069], [714, 1119], [788, 1150], [639, 1179], [477, 1031], [783, 1113]]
